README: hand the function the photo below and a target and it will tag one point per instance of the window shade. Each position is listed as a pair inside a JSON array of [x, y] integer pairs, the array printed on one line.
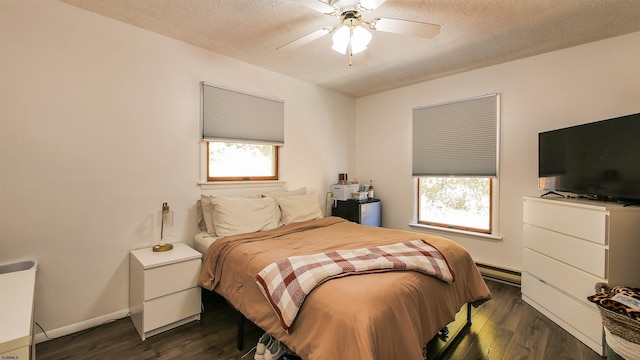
[[229, 115], [457, 138]]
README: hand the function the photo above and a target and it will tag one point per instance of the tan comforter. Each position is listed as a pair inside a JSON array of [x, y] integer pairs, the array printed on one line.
[[389, 315]]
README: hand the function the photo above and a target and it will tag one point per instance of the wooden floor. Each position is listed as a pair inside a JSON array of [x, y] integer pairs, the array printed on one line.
[[503, 328]]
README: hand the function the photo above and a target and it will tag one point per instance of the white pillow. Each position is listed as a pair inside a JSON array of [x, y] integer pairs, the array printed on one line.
[[297, 208], [207, 214], [202, 225], [233, 216], [275, 194]]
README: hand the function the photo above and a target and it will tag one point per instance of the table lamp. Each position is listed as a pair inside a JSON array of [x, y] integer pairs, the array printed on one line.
[[162, 246]]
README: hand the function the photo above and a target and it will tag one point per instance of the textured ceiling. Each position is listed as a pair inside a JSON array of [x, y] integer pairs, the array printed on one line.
[[474, 34]]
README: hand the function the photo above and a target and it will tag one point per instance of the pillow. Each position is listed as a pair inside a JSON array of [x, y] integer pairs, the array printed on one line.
[[620, 299], [297, 208], [207, 214], [275, 194], [201, 223], [233, 216]]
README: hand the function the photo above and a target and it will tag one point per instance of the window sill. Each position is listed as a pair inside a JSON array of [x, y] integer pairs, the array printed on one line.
[[456, 231], [204, 185]]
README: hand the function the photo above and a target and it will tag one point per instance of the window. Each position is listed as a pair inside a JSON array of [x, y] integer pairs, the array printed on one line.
[[230, 161], [455, 202], [243, 134], [455, 160]]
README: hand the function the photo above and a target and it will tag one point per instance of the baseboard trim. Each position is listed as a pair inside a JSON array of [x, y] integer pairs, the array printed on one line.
[[80, 326], [510, 277], [506, 276]]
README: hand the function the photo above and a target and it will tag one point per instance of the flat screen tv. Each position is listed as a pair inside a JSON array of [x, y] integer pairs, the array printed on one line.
[[598, 160]]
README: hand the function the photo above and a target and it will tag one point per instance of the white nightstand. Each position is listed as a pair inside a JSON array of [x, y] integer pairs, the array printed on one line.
[[163, 288]]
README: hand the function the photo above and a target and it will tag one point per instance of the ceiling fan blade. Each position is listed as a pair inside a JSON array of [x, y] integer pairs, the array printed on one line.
[[304, 40], [371, 4], [317, 5], [406, 27]]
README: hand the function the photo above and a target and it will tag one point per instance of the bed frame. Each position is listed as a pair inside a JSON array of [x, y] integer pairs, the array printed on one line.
[[449, 337], [446, 339]]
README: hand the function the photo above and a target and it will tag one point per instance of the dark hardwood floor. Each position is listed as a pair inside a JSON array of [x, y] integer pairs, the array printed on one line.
[[503, 328]]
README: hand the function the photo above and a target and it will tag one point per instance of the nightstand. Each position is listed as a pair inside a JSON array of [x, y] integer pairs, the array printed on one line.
[[163, 288]]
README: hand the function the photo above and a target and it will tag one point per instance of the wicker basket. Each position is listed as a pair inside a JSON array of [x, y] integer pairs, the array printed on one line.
[[618, 324]]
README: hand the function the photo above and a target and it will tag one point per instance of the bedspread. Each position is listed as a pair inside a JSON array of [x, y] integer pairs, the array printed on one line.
[[388, 315], [287, 282]]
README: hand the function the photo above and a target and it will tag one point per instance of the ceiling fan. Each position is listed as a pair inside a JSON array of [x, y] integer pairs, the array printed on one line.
[[350, 35]]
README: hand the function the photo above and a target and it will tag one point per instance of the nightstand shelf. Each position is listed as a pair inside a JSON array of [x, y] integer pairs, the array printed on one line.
[[163, 289]]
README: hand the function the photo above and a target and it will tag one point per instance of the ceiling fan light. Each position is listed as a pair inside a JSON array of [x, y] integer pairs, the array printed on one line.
[[355, 49], [341, 38], [360, 39]]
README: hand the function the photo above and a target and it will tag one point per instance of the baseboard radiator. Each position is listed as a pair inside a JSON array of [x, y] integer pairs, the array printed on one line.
[[506, 276]]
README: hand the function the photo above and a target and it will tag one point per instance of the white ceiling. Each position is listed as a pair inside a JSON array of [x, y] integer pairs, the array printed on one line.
[[474, 34]]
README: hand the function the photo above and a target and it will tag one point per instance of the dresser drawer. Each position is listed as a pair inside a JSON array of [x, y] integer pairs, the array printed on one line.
[[583, 318], [171, 308], [581, 254], [571, 220], [171, 278], [574, 282]]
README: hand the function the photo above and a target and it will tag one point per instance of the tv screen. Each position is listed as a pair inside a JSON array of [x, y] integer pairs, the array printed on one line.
[[599, 160]]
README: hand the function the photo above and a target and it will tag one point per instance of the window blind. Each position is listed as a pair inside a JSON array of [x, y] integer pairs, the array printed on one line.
[[230, 115], [457, 138]]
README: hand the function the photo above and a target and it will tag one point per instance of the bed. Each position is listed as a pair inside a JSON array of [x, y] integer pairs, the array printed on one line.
[[378, 315]]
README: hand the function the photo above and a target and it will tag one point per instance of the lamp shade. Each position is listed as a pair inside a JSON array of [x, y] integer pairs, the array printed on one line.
[[341, 39], [360, 38], [353, 36]]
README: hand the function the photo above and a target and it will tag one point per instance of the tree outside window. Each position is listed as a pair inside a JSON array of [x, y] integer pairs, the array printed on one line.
[[455, 202], [229, 161]]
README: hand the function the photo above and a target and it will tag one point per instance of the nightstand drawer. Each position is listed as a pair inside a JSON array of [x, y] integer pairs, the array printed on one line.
[[579, 222], [574, 282], [171, 308], [581, 254], [171, 278]]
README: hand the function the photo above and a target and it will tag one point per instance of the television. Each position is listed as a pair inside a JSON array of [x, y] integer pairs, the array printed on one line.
[[598, 160]]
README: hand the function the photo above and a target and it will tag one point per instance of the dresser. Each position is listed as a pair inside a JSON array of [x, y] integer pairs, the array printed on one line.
[[163, 288], [569, 246]]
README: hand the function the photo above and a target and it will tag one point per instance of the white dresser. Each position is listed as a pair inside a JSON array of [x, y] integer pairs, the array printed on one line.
[[569, 246], [163, 288]]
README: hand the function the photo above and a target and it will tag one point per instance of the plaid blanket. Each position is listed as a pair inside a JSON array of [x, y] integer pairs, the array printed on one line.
[[287, 282]]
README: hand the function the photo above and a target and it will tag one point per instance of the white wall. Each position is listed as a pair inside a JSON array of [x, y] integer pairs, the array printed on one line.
[[99, 127], [567, 87]]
